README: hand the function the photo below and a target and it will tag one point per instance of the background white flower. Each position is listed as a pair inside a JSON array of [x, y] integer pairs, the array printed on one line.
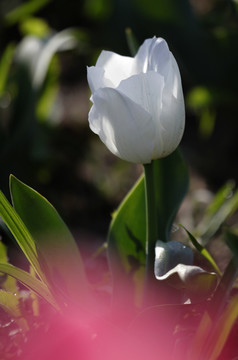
[[138, 106]]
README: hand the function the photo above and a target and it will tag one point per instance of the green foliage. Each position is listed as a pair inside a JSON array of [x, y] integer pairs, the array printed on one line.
[[47, 244], [58, 255], [132, 42], [98, 9], [5, 65], [24, 10], [164, 11], [231, 238], [29, 281], [50, 248], [126, 239], [224, 204], [221, 331], [30, 89], [127, 233], [11, 297], [203, 251], [171, 185], [210, 338], [8, 283], [20, 233], [29, 86], [34, 26]]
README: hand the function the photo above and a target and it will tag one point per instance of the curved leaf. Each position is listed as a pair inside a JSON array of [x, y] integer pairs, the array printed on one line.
[[211, 336], [203, 251], [20, 233], [58, 253], [29, 281], [126, 241]]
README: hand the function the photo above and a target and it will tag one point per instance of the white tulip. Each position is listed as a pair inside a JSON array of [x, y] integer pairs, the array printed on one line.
[[138, 105]]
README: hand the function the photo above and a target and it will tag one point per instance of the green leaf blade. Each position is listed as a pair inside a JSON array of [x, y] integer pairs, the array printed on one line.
[[20, 233], [29, 281], [126, 241], [5, 65], [58, 253], [203, 251]]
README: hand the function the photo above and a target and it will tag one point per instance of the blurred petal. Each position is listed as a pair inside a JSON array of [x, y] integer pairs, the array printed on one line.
[[123, 126], [28, 51], [116, 67], [62, 41]]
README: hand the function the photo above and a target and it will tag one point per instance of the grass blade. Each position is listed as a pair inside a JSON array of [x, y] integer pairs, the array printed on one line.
[[203, 251], [29, 281], [20, 233]]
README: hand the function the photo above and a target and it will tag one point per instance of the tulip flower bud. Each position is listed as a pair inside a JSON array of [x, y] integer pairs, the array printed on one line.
[[138, 105]]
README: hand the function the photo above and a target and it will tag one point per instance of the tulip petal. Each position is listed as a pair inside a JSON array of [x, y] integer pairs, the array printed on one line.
[[147, 94], [173, 104], [154, 55], [123, 126], [147, 90], [117, 67], [160, 58], [96, 78], [144, 89]]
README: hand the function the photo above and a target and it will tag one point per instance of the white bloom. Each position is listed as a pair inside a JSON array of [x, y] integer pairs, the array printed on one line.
[[138, 106], [36, 53]]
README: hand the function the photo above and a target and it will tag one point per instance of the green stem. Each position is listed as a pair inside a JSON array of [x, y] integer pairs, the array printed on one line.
[[151, 227]]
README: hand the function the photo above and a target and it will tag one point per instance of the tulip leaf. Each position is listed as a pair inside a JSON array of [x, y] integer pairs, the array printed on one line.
[[126, 239], [222, 330], [57, 251], [223, 194], [127, 233], [231, 238], [5, 65], [20, 233], [216, 216], [131, 42], [29, 281], [8, 283], [203, 251], [211, 337], [171, 180]]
